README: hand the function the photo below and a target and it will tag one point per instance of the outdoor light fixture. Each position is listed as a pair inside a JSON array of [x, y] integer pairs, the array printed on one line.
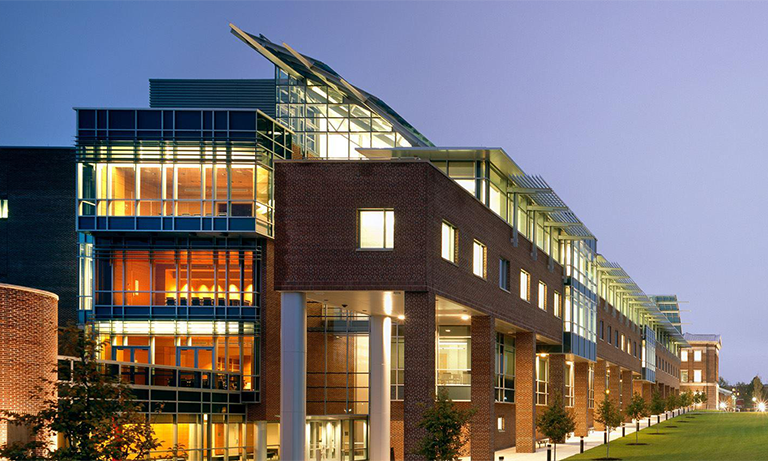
[[465, 317], [761, 407], [401, 317]]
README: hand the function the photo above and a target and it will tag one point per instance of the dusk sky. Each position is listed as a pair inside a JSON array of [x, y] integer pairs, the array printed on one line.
[[649, 119]]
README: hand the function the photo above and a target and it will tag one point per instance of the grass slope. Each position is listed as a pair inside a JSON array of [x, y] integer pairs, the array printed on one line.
[[705, 436]]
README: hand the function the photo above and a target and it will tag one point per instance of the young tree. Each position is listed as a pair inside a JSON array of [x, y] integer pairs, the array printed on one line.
[[637, 409], [758, 391], [671, 403], [657, 406], [94, 414], [686, 399], [556, 422], [609, 415], [702, 398], [444, 424]]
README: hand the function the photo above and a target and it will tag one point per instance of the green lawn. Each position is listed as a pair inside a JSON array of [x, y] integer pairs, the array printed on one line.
[[703, 436]]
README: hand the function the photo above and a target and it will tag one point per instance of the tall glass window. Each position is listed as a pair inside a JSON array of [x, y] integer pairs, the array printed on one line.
[[3, 208], [453, 361], [397, 363], [569, 384], [542, 379], [505, 368], [504, 274], [591, 395]]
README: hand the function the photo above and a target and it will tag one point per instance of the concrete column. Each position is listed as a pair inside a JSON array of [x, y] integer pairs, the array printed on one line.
[[261, 441], [525, 392], [581, 400], [600, 388], [380, 347], [483, 424], [419, 340], [293, 376], [627, 389]]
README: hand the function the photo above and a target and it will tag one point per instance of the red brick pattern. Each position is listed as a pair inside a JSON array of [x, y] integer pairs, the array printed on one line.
[[525, 392], [627, 389], [483, 425], [614, 384], [607, 349], [28, 348], [581, 400], [557, 375], [505, 438], [419, 366], [600, 387], [318, 250]]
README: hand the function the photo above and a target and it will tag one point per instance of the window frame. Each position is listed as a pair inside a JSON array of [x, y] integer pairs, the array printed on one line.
[[542, 300], [697, 356], [525, 274], [504, 274], [454, 233], [478, 245], [557, 300], [385, 237], [4, 208]]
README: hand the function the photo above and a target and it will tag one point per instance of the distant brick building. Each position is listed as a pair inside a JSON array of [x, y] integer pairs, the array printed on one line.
[[700, 364]]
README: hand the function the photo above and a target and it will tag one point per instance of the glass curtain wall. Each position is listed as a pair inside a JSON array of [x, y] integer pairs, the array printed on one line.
[[580, 313], [177, 283], [326, 123]]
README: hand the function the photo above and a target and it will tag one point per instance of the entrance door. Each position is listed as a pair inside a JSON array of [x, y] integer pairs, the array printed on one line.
[[324, 440]]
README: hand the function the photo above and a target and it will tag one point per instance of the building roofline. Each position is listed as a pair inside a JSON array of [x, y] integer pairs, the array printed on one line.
[[29, 290]]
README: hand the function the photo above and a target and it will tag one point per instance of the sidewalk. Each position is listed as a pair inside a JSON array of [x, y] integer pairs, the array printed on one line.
[[571, 445]]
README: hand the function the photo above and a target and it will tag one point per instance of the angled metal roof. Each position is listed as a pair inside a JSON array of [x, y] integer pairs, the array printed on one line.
[[693, 337], [619, 276], [302, 66], [542, 195]]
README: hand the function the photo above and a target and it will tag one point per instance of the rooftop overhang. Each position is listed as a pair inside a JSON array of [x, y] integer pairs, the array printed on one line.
[[618, 276]]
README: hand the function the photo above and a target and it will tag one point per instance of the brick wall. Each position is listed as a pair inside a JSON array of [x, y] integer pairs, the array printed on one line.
[[28, 349], [607, 348], [38, 243]]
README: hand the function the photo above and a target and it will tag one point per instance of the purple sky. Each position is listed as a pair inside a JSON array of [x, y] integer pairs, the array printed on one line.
[[649, 119]]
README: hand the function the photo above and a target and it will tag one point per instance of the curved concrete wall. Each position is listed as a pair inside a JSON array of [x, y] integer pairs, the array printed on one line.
[[28, 350]]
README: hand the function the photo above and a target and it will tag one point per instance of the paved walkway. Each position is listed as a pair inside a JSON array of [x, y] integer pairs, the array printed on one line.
[[571, 446]]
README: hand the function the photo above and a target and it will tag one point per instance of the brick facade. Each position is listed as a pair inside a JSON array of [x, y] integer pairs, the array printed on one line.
[[28, 351], [525, 393], [38, 243], [483, 424]]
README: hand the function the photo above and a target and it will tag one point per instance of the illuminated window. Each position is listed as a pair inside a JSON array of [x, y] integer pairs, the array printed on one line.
[[696, 376], [478, 259], [684, 376], [570, 395], [505, 368], [377, 229], [542, 379], [558, 305], [684, 356], [3, 208], [542, 296], [697, 356], [448, 245], [504, 274], [525, 285], [591, 385], [500, 423]]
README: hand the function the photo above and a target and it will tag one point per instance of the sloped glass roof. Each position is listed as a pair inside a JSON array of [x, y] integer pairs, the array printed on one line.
[[299, 65]]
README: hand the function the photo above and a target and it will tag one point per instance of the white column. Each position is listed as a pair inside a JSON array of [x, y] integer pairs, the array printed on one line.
[[293, 376], [261, 441], [380, 344]]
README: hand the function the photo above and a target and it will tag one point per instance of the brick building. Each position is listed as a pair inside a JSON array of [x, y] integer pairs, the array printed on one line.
[[296, 275], [28, 351], [38, 243], [700, 364]]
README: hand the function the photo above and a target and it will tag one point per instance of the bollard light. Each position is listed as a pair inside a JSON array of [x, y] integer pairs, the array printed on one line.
[[581, 445], [549, 452], [605, 436], [623, 430]]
